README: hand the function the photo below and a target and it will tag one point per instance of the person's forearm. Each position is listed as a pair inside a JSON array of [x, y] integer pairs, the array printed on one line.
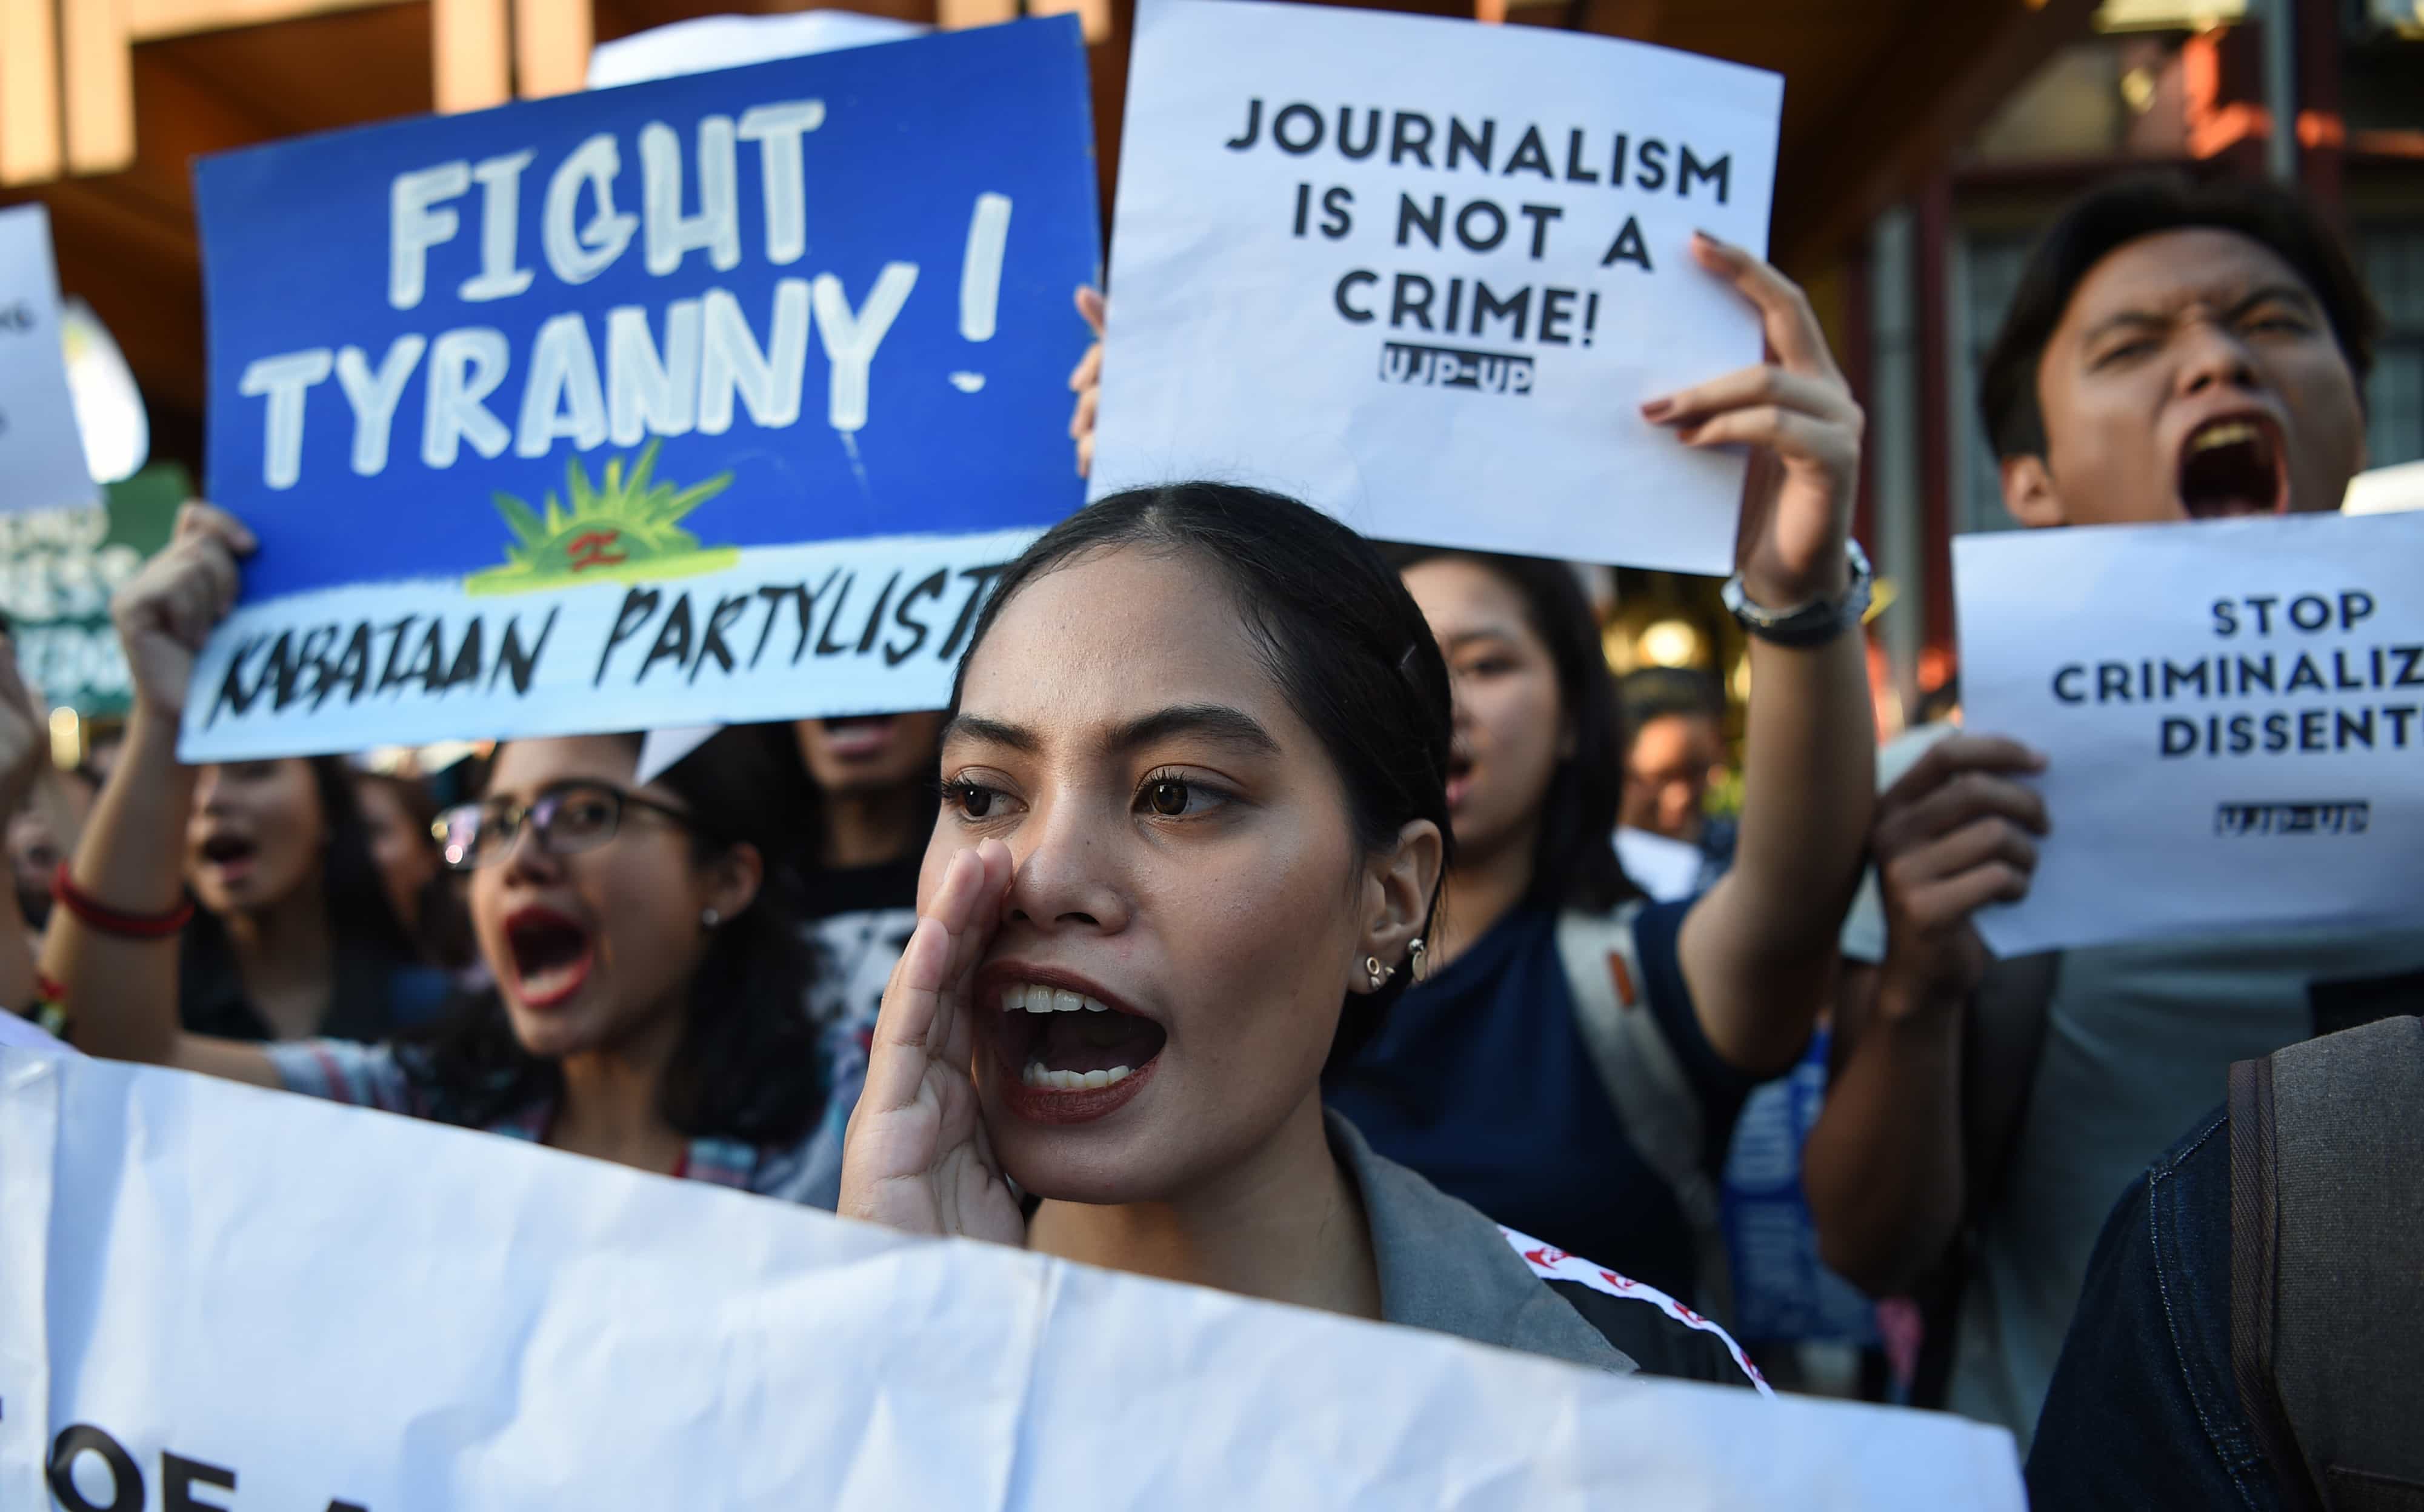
[[121, 993], [1808, 790], [1882, 1169], [1759, 952]]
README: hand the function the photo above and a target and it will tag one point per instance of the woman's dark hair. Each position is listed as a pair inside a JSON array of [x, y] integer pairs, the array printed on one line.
[[2121, 211], [371, 943], [1341, 636], [444, 928], [746, 1066], [1573, 859]]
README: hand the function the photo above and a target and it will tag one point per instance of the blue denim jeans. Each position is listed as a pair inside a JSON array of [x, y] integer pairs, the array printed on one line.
[[2143, 1413]]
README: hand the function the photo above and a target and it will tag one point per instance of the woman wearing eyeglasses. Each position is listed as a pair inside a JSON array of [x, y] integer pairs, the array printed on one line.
[[646, 947]]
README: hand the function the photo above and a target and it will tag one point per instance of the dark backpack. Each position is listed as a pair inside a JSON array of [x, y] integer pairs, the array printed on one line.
[[2327, 1264]]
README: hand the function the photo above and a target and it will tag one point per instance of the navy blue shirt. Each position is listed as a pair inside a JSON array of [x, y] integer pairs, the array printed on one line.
[[1479, 1080]]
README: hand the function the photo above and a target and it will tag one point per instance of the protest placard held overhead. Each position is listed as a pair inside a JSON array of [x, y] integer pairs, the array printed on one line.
[[710, 399], [1421, 272], [42, 454]]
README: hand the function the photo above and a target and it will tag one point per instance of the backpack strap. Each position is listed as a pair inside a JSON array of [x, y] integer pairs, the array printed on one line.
[[1652, 1098], [2253, 1273], [2348, 1224]]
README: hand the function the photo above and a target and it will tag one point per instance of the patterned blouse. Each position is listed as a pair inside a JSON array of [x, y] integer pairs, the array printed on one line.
[[368, 1075]]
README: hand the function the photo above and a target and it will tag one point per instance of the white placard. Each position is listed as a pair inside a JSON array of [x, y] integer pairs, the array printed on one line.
[[42, 453], [323, 1305], [2234, 713], [1422, 273]]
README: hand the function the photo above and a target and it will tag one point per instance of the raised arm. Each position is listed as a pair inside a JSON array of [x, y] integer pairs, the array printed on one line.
[[121, 986], [1759, 950], [1886, 1166]]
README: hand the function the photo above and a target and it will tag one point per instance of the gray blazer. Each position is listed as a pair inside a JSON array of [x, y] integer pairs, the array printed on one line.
[[1445, 1267]]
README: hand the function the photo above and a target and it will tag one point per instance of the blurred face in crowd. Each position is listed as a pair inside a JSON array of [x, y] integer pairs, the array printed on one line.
[[1667, 772], [2192, 376], [1183, 920], [257, 835], [1510, 726], [595, 950], [36, 850], [872, 753], [34, 857], [400, 845]]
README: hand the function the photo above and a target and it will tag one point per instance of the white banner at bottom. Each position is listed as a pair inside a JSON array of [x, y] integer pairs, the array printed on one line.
[[852, 627], [213, 1295]]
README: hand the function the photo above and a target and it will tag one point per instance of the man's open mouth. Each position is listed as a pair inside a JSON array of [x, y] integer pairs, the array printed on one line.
[[551, 955], [2232, 465]]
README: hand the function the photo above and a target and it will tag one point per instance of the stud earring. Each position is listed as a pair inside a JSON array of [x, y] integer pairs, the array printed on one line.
[[1378, 972], [710, 917], [1415, 959]]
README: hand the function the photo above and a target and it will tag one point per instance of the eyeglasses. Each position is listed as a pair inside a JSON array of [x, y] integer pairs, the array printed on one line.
[[569, 819]]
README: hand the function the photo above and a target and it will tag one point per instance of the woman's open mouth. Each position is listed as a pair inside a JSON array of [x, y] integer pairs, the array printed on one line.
[[1459, 777], [551, 955], [1067, 1055], [859, 735], [231, 857]]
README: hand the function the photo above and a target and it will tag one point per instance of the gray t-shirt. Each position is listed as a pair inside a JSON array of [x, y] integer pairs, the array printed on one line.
[[2138, 1046]]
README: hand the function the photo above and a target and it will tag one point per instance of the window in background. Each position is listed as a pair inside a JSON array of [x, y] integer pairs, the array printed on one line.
[[2392, 256], [1986, 273]]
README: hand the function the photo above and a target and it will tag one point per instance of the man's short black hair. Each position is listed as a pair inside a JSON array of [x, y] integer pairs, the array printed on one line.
[[1661, 692], [2143, 204]]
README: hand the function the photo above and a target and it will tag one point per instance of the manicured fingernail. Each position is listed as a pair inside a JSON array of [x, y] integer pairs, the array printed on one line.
[[1656, 408], [1688, 434], [1704, 239]]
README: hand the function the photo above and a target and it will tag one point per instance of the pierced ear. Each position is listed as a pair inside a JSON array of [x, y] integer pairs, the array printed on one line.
[[1400, 884], [733, 880], [2029, 492]]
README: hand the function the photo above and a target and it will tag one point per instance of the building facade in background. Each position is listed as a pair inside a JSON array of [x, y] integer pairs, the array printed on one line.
[[2158, 83]]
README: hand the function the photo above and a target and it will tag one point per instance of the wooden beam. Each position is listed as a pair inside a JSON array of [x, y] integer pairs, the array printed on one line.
[[29, 92], [1093, 16], [150, 19], [99, 54], [1930, 90], [1637, 20], [552, 42], [959, 15], [470, 58]]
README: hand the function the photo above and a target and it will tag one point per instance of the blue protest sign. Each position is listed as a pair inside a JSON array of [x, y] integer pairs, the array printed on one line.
[[720, 398]]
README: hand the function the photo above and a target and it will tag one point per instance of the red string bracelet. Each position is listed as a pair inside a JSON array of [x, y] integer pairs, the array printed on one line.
[[97, 915]]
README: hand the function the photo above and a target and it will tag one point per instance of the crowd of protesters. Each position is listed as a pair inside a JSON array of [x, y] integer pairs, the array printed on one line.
[[1253, 916]]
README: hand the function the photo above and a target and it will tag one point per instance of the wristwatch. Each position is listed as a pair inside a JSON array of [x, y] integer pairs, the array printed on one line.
[[1814, 623]]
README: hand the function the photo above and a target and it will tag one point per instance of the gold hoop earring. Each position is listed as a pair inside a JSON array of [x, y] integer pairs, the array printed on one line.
[[1378, 972]]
